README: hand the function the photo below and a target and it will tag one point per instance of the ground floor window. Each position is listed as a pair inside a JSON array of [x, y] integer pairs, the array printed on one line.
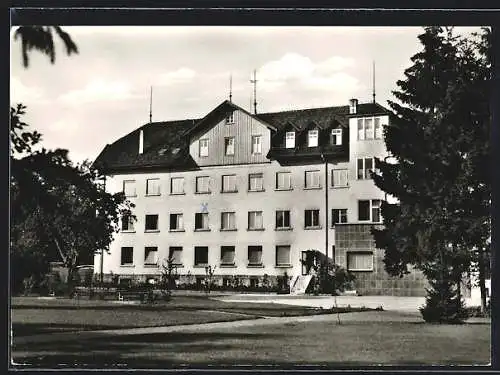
[[227, 255], [283, 255], [360, 261], [254, 255], [127, 256], [175, 254], [200, 255], [150, 254]]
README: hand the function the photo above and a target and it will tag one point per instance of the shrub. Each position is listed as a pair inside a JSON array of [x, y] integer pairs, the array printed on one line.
[[443, 304]]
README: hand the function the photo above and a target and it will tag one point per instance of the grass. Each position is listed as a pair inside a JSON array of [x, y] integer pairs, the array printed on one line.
[[36, 316], [362, 339]]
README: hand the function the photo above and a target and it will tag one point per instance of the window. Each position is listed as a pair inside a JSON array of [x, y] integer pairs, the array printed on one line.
[[203, 148], [127, 256], [282, 219], [227, 255], [339, 215], [254, 255], [202, 184], [336, 137], [228, 221], [283, 181], [229, 183], [256, 182], [369, 210], [378, 128], [201, 221], [229, 146], [230, 118], [151, 223], [127, 223], [339, 178], [150, 254], [175, 254], [361, 129], [153, 186], [256, 144], [255, 220], [290, 139], [177, 185], [176, 222], [283, 255], [312, 218], [376, 217], [369, 128], [360, 261], [364, 167], [200, 255], [312, 138], [129, 188], [312, 180]]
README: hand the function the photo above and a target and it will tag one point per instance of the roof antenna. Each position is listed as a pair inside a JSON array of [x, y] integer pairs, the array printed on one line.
[[230, 88], [254, 81], [150, 104], [373, 83]]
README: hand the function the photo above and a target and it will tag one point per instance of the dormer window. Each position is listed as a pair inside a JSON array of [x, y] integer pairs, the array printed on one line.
[[290, 140], [312, 139], [230, 119], [336, 137]]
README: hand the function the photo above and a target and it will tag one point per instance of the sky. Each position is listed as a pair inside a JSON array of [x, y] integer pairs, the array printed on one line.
[[88, 100]]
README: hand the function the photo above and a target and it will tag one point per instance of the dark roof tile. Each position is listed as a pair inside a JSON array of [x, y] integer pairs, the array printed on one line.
[[166, 143]]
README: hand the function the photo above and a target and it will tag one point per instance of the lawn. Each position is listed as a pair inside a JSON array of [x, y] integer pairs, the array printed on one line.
[[31, 316], [362, 339]]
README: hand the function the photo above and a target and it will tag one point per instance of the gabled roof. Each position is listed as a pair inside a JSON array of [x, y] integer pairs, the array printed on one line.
[[219, 113], [166, 143]]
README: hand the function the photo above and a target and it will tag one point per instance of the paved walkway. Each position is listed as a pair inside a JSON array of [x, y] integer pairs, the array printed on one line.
[[389, 303]]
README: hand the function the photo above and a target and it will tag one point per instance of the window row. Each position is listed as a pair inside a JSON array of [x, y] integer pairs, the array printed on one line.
[[229, 146], [368, 211], [356, 260], [313, 138], [227, 256], [283, 181]]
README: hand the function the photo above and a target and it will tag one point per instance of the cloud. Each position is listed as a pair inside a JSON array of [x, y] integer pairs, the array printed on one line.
[[98, 90], [181, 75], [19, 92], [295, 69]]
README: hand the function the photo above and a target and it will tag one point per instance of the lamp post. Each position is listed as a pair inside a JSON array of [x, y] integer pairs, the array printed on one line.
[[101, 276], [325, 160]]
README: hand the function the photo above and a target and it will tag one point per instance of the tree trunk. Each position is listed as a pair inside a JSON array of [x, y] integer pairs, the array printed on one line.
[[69, 281], [482, 282]]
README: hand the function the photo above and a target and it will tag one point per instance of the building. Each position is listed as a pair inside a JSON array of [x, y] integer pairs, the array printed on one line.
[[249, 193]]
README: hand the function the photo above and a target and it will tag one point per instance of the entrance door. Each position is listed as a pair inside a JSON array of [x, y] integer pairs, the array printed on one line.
[[304, 266]]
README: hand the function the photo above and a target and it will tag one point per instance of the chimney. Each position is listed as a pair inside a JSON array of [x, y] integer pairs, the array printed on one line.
[[141, 141], [353, 106]]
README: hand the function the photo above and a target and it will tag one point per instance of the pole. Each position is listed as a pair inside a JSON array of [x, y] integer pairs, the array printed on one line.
[[326, 206], [102, 250]]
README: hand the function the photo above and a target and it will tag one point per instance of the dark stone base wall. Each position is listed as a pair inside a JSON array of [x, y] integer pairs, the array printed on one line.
[[358, 237]]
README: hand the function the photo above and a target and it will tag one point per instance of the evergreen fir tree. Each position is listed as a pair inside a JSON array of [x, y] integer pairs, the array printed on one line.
[[439, 141]]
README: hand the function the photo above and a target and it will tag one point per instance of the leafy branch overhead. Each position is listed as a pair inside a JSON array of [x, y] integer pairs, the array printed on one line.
[[41, 38]]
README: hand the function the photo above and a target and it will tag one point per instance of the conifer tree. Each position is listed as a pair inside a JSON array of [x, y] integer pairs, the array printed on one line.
[[439, 140]]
